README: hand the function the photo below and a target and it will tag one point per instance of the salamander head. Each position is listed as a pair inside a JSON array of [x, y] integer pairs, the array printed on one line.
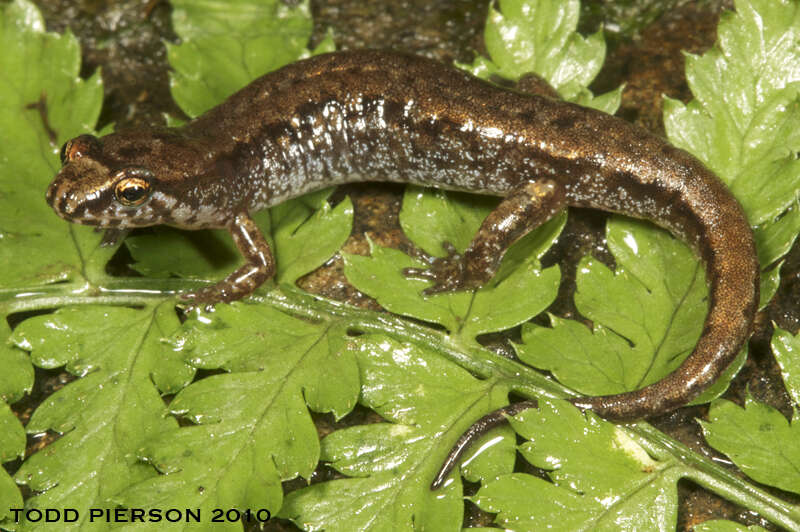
[[128, 179]]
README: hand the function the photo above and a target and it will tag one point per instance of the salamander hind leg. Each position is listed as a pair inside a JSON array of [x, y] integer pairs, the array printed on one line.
[[259, 265], [526, 207]]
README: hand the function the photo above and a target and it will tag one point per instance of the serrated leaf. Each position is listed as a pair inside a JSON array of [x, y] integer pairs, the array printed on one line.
[[745, 119], [539, 36], [166, 252], [758, 439], [786, 349], [12, 436], [429, 402], [105, 415], [205, 469], [647, 316], [10, 497], [226, 45], [254, 426], [618, 492], [35, 245], [465, 314], [12, 445], [768, 285], [16, 379]]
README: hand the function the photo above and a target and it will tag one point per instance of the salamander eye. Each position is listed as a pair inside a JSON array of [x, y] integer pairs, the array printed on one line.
[[134, 188], [78, 147]]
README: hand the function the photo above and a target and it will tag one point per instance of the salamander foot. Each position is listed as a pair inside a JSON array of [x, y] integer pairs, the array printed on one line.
[[447, 273]]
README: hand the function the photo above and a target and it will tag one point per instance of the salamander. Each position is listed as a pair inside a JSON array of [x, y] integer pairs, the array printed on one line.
[[380, 116]]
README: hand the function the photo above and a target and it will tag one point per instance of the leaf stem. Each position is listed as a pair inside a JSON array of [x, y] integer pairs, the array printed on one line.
[[717, 479], [128, 291]]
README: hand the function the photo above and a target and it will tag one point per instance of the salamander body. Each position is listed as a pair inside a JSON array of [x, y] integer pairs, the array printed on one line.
[[381, 116]]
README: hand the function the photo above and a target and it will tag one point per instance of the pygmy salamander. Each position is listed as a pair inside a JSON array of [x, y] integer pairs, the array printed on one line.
[[379, 116]]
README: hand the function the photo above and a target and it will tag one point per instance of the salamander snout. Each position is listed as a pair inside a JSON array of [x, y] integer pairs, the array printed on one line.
[[67, 202], [51, 194]]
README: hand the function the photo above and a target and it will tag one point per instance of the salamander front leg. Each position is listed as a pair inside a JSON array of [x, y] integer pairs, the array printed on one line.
[[259, 265], [529, 205]]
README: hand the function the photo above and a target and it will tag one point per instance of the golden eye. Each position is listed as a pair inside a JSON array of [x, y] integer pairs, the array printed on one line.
[[132, 191]]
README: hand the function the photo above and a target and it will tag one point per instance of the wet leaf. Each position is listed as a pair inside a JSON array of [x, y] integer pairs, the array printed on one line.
[[253, 426], [427, 402], [105, 416], [466, 314], [618, 492], [759, 440], [787, 352], [224, 46], [12, 446], [528, 36]]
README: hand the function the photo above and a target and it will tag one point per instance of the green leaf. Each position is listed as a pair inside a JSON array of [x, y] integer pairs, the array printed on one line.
[[166, 252], [466, 314], [787, 352], [539, 36], [12, 436], [16, 379], [774, 240], [12, 445], [618, 492], [430, 216], [647, 316], [428, 402], [768, 285], [10, 497], [35, 245], [758, 439], [745, 120], [307, 232], [254, 429], [226, 45], [109, 412]]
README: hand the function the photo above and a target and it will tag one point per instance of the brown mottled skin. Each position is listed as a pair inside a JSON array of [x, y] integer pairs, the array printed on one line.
[[370, 115]]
